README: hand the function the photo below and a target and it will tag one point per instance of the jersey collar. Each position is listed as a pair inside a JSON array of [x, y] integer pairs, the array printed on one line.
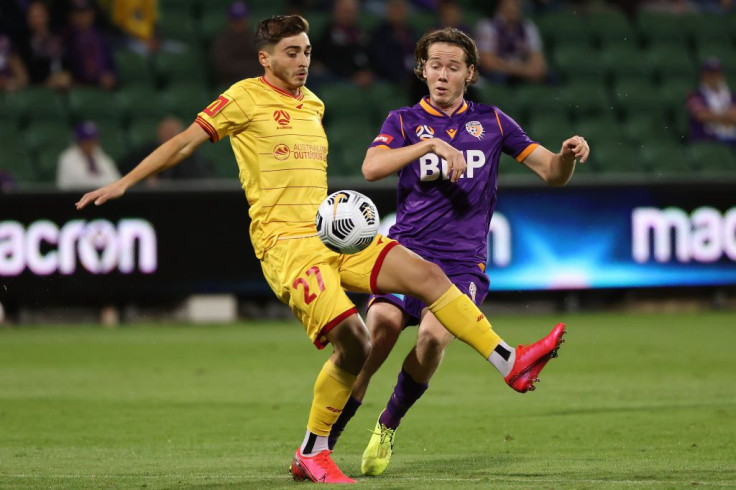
[[428, 107], [283, 92]]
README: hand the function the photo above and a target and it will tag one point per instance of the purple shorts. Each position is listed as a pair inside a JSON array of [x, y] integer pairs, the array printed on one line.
[[468, 278]]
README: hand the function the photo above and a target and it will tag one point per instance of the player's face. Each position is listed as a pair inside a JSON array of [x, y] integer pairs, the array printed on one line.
[[287, 64], [447, 74]]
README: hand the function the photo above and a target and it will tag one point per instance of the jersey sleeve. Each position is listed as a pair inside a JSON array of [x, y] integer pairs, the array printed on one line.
[[515, 141], [392, 132], [225, 115]]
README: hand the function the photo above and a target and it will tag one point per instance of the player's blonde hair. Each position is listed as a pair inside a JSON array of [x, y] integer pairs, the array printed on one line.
[[272, 30], [447, 35]]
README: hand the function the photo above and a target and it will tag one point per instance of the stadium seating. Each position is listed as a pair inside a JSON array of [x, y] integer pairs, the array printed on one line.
[[612, 28], [176, 67], [36, 102], [614, 158], [655, 28], [141, 101], [666, 159], [16, 159], [575, 30], [134, 69], [94, 104], [712, 157], [348, 142], [142, 131], [345, 101], [622, 84], [221, 156]]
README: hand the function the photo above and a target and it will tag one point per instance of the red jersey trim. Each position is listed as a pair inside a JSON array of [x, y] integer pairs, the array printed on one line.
[[330, 325], [282, 92], [377, 267], [208, 128]]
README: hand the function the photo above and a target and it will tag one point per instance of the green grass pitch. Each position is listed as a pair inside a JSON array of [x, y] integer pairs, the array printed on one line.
[[634, 400]]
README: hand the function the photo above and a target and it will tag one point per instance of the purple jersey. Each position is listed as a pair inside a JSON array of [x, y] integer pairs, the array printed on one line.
[[436, 217]]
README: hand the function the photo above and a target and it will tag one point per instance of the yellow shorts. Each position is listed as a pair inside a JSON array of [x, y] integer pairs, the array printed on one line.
[[312, 280]]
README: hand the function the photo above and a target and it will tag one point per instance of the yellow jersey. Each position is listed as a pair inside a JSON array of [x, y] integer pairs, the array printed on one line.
[[281, 149]]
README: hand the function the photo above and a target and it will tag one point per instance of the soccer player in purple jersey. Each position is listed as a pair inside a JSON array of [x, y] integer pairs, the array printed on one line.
[[442, 215]]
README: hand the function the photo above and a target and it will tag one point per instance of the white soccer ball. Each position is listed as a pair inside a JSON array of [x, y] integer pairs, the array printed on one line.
[[347, 222]]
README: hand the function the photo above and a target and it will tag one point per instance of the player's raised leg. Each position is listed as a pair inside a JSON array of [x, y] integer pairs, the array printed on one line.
[[405, 272], [385, 322]]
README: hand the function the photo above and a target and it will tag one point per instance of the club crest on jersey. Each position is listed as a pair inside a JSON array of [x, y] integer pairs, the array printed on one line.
[[281, 152], [425, 132], [281, 117], [475, 128], [472, 289]]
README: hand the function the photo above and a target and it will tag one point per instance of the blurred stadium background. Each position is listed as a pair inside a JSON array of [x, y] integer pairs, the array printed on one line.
[[619, 78]]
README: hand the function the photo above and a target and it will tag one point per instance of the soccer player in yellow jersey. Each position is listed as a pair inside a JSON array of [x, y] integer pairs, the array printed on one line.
[[274, 124]]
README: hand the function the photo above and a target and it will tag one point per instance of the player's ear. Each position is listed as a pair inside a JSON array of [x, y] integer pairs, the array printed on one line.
[[471, 72], [264, 58]]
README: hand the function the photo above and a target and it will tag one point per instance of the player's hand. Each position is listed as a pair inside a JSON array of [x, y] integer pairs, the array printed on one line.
[[456, 164], [102, 195], [575, 148]]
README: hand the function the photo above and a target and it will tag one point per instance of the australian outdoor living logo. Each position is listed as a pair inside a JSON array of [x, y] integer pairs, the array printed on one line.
[[281, 152]]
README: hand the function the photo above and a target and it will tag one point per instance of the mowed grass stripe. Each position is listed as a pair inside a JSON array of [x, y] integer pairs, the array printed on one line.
[[633, 401]]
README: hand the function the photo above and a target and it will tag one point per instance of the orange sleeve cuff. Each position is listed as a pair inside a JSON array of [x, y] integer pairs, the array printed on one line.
[[526, 152]]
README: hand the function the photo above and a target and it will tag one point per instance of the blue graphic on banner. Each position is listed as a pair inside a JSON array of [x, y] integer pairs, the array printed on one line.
[[608, 238]]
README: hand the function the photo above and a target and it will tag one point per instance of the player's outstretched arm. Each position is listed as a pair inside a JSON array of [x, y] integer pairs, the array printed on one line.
[[557, 168], [165, 156], [380, 162]]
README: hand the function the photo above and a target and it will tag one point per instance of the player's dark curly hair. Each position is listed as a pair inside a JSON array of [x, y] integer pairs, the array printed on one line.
[[277, 27], [447, 35]]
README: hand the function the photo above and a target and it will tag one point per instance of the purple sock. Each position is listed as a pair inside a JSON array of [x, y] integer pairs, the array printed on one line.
[[406, 393], [347, 413]]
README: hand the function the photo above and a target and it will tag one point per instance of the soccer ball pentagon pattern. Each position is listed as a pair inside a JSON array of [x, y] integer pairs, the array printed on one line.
[[347, 222]]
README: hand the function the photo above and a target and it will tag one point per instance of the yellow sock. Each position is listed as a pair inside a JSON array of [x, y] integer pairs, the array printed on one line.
[[331, 391], [465, 321]]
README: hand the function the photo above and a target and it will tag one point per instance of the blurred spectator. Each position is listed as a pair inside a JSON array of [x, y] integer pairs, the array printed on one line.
[[85, 165], [712, 108], [192, 167], [510, 46], [13, 74], [392, 44], [42, 50], [137, 20], [342, 48], [233, 52], [87, 49], [450, 14]]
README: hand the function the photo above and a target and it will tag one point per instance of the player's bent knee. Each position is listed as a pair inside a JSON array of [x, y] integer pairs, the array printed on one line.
[[351, 342], [384, 319]]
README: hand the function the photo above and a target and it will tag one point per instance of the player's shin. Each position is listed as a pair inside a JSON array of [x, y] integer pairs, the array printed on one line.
[[331, 392], [352, 406], [465, 321]]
